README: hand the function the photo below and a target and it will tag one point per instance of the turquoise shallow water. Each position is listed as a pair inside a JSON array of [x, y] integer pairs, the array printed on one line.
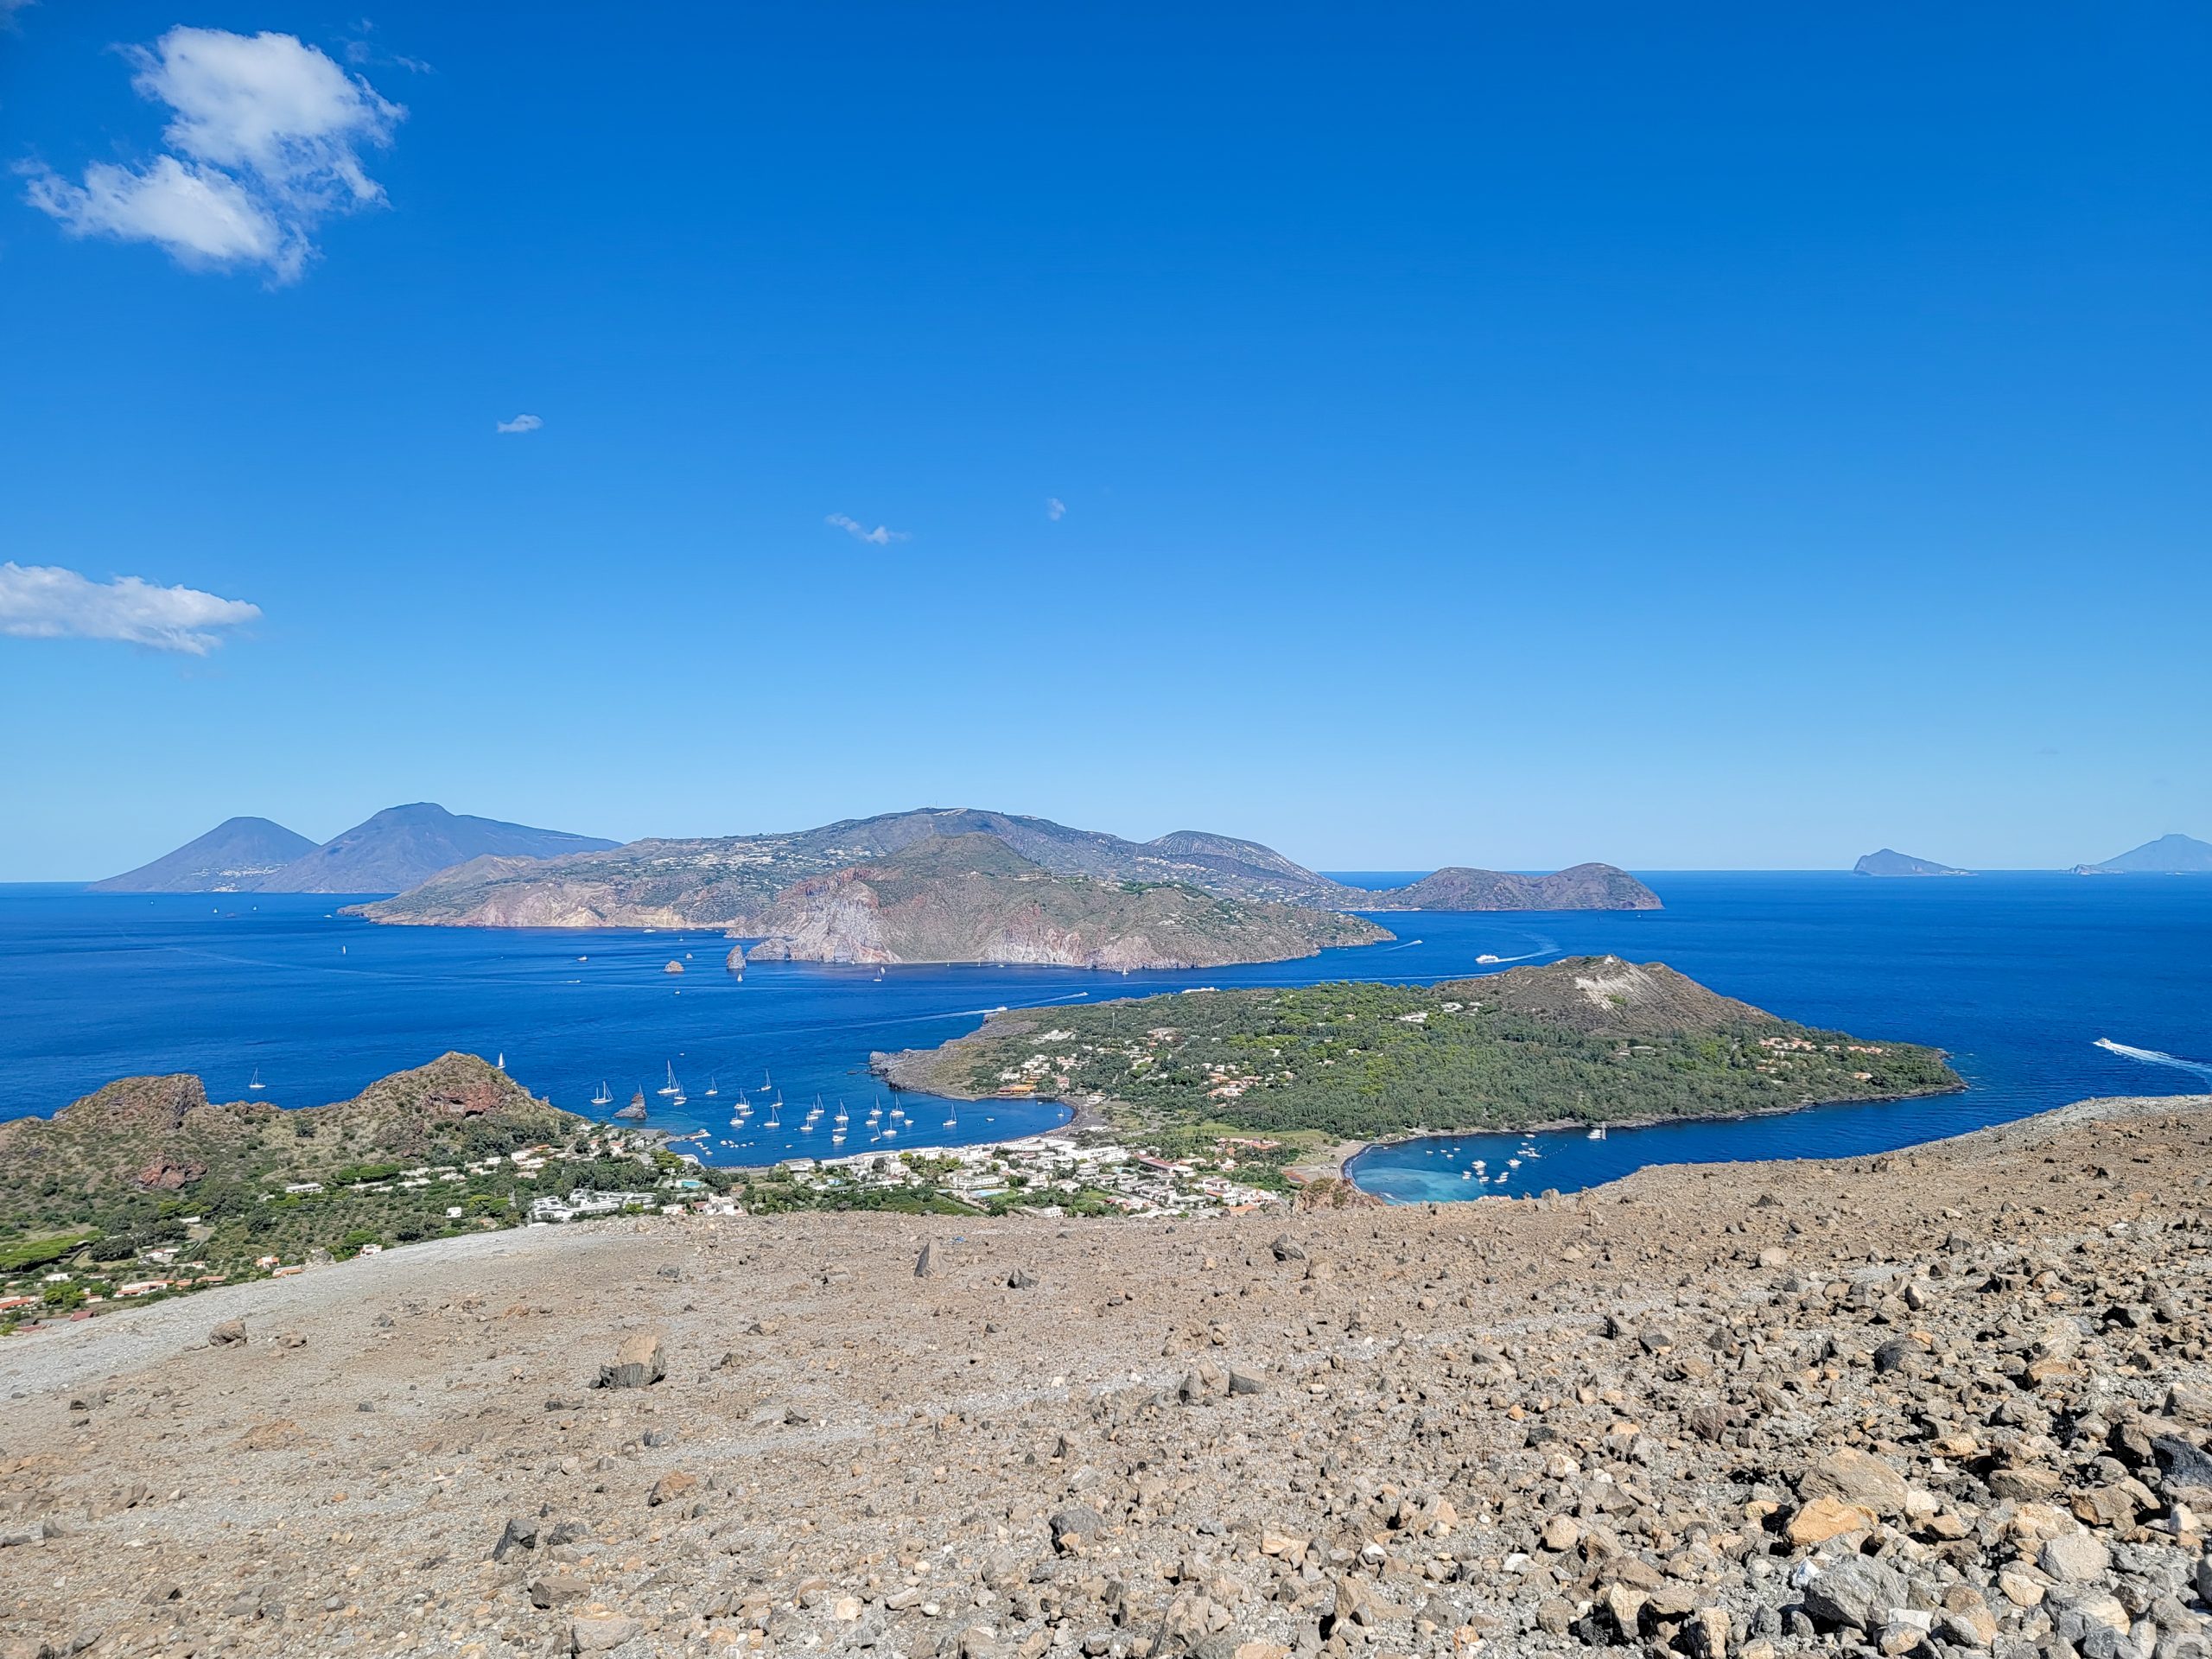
[[2015, 975]]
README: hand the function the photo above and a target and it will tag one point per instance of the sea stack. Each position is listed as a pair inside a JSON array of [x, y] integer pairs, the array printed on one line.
[[735, 961], [636, 1109], [673, 968]]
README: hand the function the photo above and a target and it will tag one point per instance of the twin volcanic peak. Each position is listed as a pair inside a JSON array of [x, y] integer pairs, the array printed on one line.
[[399, 848]]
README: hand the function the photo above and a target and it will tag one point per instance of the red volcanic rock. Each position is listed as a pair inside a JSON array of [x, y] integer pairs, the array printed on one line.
[[166, 1174]]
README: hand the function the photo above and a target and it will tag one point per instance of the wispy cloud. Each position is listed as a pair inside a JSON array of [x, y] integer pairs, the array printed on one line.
[[879, 537], [521, 424], [264, 140], [44, 602], [1055, 509], [363, 52], [8, 10]]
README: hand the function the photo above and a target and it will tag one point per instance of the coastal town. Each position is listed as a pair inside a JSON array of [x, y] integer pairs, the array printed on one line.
[[615, 1172], [1077, 1173]]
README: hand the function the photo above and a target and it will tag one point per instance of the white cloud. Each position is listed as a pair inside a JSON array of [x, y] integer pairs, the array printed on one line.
[[520, 423], [879, 536], [43, 601], [266, 135], [1055, 509], [199, 214]]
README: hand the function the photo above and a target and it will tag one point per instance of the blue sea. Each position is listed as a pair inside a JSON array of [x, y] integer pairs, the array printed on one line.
[[2017, 977]]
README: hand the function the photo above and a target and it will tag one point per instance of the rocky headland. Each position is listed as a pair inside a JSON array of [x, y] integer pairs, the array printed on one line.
[[1585, 1039]]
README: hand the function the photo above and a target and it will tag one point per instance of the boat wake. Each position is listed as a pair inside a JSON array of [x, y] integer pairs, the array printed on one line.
[[2154, 1057]]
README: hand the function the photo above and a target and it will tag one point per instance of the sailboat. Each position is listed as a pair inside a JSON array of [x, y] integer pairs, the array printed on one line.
[[502, 1061], [256, 1083], [602, 1098], [952, 1119], [843, 1117], [713, 1087], [670, 1087], [775, 1107]]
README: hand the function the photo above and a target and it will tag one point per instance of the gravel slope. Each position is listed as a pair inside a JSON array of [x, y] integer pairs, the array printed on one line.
[[1945, 1402]]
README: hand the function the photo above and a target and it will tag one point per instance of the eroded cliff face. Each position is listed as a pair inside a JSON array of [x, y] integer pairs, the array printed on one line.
[[971, 899], [555, 904], [835, 920]]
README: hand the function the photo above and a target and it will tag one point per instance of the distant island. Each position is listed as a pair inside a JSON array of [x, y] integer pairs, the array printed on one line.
[[846, 892], [1889, 861], [2167, 855], [971, 897], [717, 881], [1582, 887], [235, 856], [1590, 1039], [398, 848]]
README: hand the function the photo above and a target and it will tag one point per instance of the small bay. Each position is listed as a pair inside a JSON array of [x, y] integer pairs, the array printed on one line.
[[2018, 976]]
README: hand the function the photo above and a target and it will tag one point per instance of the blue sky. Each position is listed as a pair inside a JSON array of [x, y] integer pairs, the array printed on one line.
[[1707, 437]]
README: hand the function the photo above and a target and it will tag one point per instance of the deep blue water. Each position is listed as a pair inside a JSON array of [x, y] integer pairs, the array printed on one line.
[[2015, 975]]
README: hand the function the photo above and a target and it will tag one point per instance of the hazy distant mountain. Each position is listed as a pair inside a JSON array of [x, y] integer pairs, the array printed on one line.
[[1580, 886], [404, 846], [713, 883], [2167, 855], [1889, 861], [237, 855]]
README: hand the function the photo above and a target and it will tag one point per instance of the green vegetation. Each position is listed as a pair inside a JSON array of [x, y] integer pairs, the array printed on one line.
[[19, 1255], [146, 1181], [1590, 1039]]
